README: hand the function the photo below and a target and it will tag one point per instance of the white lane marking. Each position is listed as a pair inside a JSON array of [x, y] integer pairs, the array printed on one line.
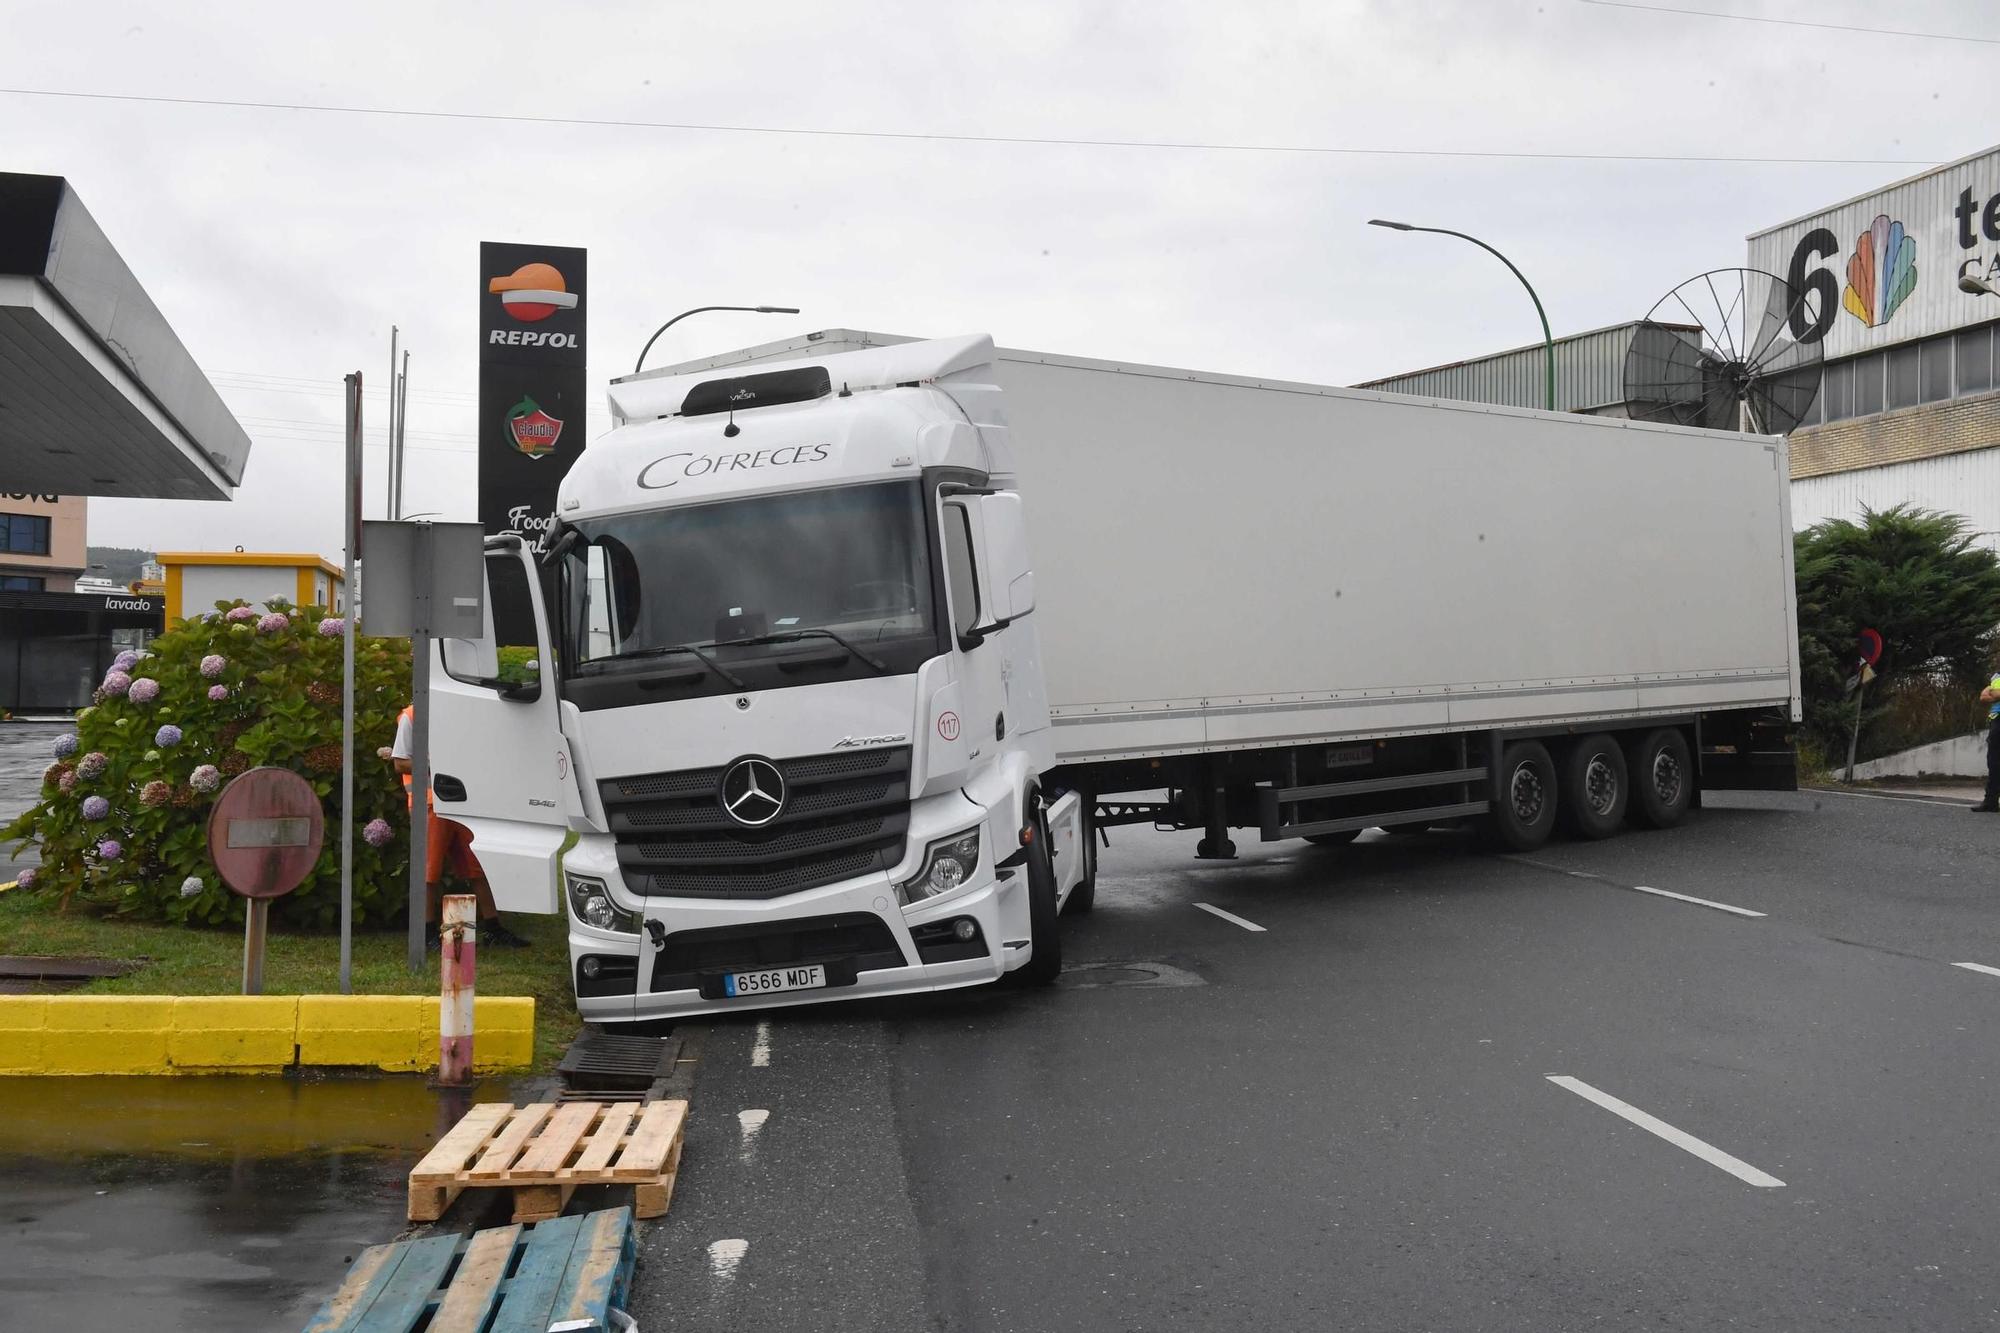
[[1230, 917], [724, 1255], [1698, 902], [1714, 1156], [760, 1053], [750, 1122], [1946, 801], [1979, 967]]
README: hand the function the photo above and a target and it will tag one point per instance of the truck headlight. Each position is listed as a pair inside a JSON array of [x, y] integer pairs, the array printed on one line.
[[590, 902], [948, 863]]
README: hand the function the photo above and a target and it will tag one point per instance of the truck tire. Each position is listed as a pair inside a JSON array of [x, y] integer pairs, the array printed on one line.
[[1525, 813], [1083, 894], [1044, 963], [1662, 779], [1333, 839], [1595, 788]]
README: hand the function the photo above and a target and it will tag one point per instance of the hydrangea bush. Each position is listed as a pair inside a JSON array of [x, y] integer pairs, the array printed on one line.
[[122, 820]]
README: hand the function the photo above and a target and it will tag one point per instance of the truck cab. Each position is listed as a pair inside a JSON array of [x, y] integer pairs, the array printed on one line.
[[766, 720]]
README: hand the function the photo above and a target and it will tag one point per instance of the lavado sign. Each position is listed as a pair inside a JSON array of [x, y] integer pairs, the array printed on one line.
[[532, 308]]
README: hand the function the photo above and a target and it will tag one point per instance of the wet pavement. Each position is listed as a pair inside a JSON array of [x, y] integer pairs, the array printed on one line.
[[203, 1203], [24, 754]]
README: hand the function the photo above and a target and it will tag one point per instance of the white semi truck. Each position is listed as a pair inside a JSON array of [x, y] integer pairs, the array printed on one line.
[[845, 650]]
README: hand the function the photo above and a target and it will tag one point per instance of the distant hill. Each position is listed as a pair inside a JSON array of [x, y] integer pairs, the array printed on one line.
[[121, 563]]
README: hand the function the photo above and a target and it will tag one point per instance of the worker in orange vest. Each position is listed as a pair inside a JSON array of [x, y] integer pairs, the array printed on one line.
[[448, 843]]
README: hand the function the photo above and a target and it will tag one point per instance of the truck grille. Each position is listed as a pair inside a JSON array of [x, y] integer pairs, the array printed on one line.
[[849, 945], [845, 815]]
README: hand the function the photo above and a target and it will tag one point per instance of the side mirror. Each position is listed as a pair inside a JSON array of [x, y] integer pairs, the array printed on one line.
[[1007, 579]]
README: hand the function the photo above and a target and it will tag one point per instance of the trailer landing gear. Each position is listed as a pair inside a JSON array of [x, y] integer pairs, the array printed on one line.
[[1215, 844]]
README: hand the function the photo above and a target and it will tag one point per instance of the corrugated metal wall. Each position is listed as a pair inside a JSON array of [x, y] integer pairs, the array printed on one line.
[[1967, 484], [1590, 374]]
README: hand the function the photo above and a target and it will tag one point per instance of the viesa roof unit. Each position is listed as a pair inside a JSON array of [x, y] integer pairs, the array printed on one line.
[[98, 396]]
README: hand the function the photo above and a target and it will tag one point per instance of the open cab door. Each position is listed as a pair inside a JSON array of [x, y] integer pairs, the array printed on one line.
[[499, 762]]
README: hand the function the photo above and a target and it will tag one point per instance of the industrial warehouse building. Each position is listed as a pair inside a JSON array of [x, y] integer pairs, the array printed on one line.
[[1909, 404]]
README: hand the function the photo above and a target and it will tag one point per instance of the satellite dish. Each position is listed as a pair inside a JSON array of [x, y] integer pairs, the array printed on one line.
[[1718, 352]]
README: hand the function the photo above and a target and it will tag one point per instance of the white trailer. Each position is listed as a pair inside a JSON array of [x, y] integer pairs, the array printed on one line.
[[795, 584]]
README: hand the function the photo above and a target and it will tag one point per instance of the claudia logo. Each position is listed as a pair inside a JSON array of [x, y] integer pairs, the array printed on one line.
[[1882, 272], [533, 292], [535, 432]]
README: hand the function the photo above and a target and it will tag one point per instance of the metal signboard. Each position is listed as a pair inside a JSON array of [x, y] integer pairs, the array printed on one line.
[[394, 587], [533, 308]]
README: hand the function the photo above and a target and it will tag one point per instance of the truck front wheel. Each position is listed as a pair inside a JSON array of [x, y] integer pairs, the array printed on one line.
[[1595, 787], [1524, 805], [1044, 964]]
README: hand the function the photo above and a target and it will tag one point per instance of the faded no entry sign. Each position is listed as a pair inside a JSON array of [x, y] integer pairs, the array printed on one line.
[[264, 833]]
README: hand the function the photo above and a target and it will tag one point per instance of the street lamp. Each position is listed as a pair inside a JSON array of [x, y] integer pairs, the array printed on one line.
[[1548, 341], [748, 309], [1976, 286]]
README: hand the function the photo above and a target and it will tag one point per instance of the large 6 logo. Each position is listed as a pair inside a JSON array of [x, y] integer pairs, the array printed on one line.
[[1811, 319]]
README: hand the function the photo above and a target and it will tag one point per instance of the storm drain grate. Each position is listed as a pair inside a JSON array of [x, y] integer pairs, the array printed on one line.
[[598, 1066]]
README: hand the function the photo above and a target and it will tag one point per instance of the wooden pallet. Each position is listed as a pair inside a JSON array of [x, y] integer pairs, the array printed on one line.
[[544, 1151], [504, 1280]]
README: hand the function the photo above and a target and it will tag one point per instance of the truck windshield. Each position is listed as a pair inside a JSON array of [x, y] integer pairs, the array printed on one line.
[[741, 580]]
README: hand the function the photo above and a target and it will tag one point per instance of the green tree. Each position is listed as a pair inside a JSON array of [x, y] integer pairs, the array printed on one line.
[[1919, 577], [122, 818]]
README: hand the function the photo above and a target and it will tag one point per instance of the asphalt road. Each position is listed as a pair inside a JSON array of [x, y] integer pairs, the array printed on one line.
[[1348, 1120]]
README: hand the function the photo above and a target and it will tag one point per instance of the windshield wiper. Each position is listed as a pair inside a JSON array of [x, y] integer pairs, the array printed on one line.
[[668, 650], [793, 636]]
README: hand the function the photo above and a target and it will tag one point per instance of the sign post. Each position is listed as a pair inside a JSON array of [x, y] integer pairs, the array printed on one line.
[[264, 837], [425, 580], [531, 382], [351, 532], [458, 969]]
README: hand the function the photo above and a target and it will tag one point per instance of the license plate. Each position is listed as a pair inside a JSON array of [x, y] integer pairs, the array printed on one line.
[[773, 980]]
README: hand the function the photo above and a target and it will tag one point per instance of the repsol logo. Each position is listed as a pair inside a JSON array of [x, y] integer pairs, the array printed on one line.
[[127, 604], [528, 338], [668, 471]]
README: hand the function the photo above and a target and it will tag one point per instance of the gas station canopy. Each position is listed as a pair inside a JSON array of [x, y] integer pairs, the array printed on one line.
[[97, 394]]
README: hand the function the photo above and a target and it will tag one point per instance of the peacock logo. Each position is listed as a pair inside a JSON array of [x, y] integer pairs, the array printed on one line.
[[1881, 273]]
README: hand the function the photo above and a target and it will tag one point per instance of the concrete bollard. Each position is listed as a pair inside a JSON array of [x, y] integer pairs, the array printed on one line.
[[458, 951]]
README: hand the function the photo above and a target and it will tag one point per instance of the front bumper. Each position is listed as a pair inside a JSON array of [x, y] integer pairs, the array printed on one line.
[[870, 945]]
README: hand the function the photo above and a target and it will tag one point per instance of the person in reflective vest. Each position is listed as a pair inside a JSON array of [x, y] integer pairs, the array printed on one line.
[[448, 844], [1990, 696]]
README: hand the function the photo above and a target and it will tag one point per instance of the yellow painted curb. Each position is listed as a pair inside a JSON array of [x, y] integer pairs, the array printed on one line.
[[248, 1034]]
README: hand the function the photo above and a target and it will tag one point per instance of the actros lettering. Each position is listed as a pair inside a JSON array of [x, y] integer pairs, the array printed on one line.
[[668, 471]]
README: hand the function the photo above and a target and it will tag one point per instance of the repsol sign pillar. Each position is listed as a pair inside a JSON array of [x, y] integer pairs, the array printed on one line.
[[533, 303]]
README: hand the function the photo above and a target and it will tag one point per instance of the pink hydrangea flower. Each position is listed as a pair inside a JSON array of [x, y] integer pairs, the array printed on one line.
[[26, 879], [145, 690], [115, 682], [212, 665], [110, 850], [274, 622], [95, 807], [66, 780], [217, 693], [125, 661], [377, 833], [93, 764], [332, 627], [206, 778], [236, 613], [155, 794]]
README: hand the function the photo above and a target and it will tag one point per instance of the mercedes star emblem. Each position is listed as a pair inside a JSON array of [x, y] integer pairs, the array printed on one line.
[[753, 792]]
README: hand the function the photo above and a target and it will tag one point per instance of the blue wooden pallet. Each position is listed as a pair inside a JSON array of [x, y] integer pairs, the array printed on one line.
[[515, 1279]]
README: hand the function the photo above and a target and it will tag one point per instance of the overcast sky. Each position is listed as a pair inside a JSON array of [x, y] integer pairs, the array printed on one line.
[[283, 244]]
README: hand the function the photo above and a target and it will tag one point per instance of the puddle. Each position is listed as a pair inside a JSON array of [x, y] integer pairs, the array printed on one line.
[[202, 1203], [1148, 973]]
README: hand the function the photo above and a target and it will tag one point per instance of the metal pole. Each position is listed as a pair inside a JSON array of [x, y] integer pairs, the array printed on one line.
[[402, 429], [746, 309], [256, 922], [1548, 339], [458, 957], [393, 478], [420, 735], [1854, 737], [353, 545]]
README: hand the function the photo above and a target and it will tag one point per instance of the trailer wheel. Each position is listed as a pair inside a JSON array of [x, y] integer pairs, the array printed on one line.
[[1083, 894], [1595, 788], [1044, 963], [1333, 839], [1525, 810], [1662, 779]]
